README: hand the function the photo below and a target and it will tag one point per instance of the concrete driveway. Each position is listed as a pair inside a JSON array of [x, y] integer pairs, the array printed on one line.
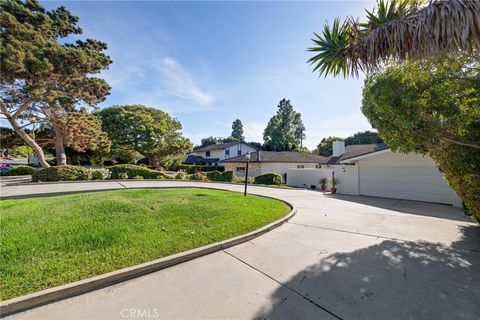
[[340, 257]]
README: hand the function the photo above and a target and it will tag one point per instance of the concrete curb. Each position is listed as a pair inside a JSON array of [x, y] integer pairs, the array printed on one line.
[[50, 295]]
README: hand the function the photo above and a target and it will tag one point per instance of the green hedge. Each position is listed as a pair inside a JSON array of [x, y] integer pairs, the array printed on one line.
[[191, 169], [100, 174], [199, 176], [268, 178], [181, 176], [18, 171], [63, 173], [131, 171], [226, 176]]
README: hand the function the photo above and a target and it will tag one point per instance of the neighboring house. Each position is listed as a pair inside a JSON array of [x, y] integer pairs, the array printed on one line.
[[272, 162], [375, 170], [213, 154]]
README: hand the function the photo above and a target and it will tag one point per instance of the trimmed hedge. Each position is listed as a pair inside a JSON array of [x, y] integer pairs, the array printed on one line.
[[191, 169], [181, 175], [100, 174], [131, 171], [268, 178], [199, 176], [226, 176], [62, 173], [18, 171]]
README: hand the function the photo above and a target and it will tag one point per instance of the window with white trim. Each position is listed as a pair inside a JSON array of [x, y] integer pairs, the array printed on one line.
[[300, 166], [240, 169]]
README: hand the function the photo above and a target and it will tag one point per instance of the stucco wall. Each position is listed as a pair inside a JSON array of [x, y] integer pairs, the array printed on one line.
[[346, 176], [253, 168]]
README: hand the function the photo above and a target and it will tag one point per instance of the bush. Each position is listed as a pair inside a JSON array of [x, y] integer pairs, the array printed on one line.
[[191, 169], [268, 178], [200, 176], [108, 163], [22, 151], [226, 176], [19, 171], [62, 173], [181, 176], [242, 180], [132, 171], [100, 174]]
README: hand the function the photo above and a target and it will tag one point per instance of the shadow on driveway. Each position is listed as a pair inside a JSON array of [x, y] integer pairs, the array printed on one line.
[[391, 280], [427, 209]]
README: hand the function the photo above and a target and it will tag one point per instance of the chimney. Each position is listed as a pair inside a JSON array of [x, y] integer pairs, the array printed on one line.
[[338, 148]]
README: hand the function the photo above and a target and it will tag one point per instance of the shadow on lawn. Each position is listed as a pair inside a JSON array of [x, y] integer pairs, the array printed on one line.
[[389, 280]]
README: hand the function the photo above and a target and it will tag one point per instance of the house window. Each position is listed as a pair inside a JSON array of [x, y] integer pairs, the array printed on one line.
[[240, 169], [239, 152], [318, 166], [300, 166], [207, 154], [227, 152]]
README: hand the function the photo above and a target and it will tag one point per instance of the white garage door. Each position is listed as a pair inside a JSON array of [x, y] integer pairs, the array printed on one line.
[[400, 176]]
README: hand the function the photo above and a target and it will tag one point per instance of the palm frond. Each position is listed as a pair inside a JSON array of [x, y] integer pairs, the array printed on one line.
[[398, 30], [335, 47]]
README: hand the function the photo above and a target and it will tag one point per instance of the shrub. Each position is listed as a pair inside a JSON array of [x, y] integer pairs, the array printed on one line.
[[242, 180], [22, 151], [19, 171], [181, 176], [268, 178], [100, 174], [108, 163], [133, 171], [138, 178], [191, 169], [200, 176], [226, 176], [62, 173]]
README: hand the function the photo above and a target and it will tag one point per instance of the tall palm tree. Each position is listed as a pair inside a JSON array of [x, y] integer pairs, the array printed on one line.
[[397, 30]]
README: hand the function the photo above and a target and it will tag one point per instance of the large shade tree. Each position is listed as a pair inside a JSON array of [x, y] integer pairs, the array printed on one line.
[[397, 30], [149, 131], [43, 76], [285, 130], [432, 107]]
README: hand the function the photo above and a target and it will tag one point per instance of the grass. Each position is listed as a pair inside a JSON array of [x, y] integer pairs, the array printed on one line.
[[55, 240]]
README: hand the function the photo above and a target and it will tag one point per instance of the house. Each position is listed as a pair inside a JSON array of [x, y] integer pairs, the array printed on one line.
[[272, 162], [375, 170], [214, 154]]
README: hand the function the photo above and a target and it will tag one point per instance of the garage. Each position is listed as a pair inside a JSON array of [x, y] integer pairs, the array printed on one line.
[[403, 176]]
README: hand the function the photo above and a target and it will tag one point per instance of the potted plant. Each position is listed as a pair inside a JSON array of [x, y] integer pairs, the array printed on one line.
[[333, 189], [323, 183]]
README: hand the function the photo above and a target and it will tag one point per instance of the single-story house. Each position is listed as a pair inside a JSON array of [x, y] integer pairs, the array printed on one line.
[[214, 154], [272, 162], [375, 170]]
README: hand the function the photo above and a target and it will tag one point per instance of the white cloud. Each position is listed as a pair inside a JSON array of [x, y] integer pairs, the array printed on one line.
[[253, 131], [180, 83]]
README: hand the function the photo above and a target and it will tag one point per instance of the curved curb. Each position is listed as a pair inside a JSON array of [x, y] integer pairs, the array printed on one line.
[[50, 295]]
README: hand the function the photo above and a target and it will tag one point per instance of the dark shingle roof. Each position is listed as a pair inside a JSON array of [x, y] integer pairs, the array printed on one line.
[[356, 150], [220, 146], [279, 156], [192, 159]]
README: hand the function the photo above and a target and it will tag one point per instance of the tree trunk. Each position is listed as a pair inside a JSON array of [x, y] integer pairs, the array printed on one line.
[[154, 162], [34, 145], [59, 147]]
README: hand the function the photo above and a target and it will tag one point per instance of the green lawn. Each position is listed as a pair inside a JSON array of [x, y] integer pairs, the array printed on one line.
[[55, 240]]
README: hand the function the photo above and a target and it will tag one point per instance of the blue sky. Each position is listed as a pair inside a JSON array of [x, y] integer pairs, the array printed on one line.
[[209, 63]]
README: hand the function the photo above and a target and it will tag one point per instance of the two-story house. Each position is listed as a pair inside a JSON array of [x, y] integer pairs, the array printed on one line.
[[213, 154]]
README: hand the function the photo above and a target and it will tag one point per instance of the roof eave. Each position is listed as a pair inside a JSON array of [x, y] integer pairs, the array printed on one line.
[[364, 156]]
